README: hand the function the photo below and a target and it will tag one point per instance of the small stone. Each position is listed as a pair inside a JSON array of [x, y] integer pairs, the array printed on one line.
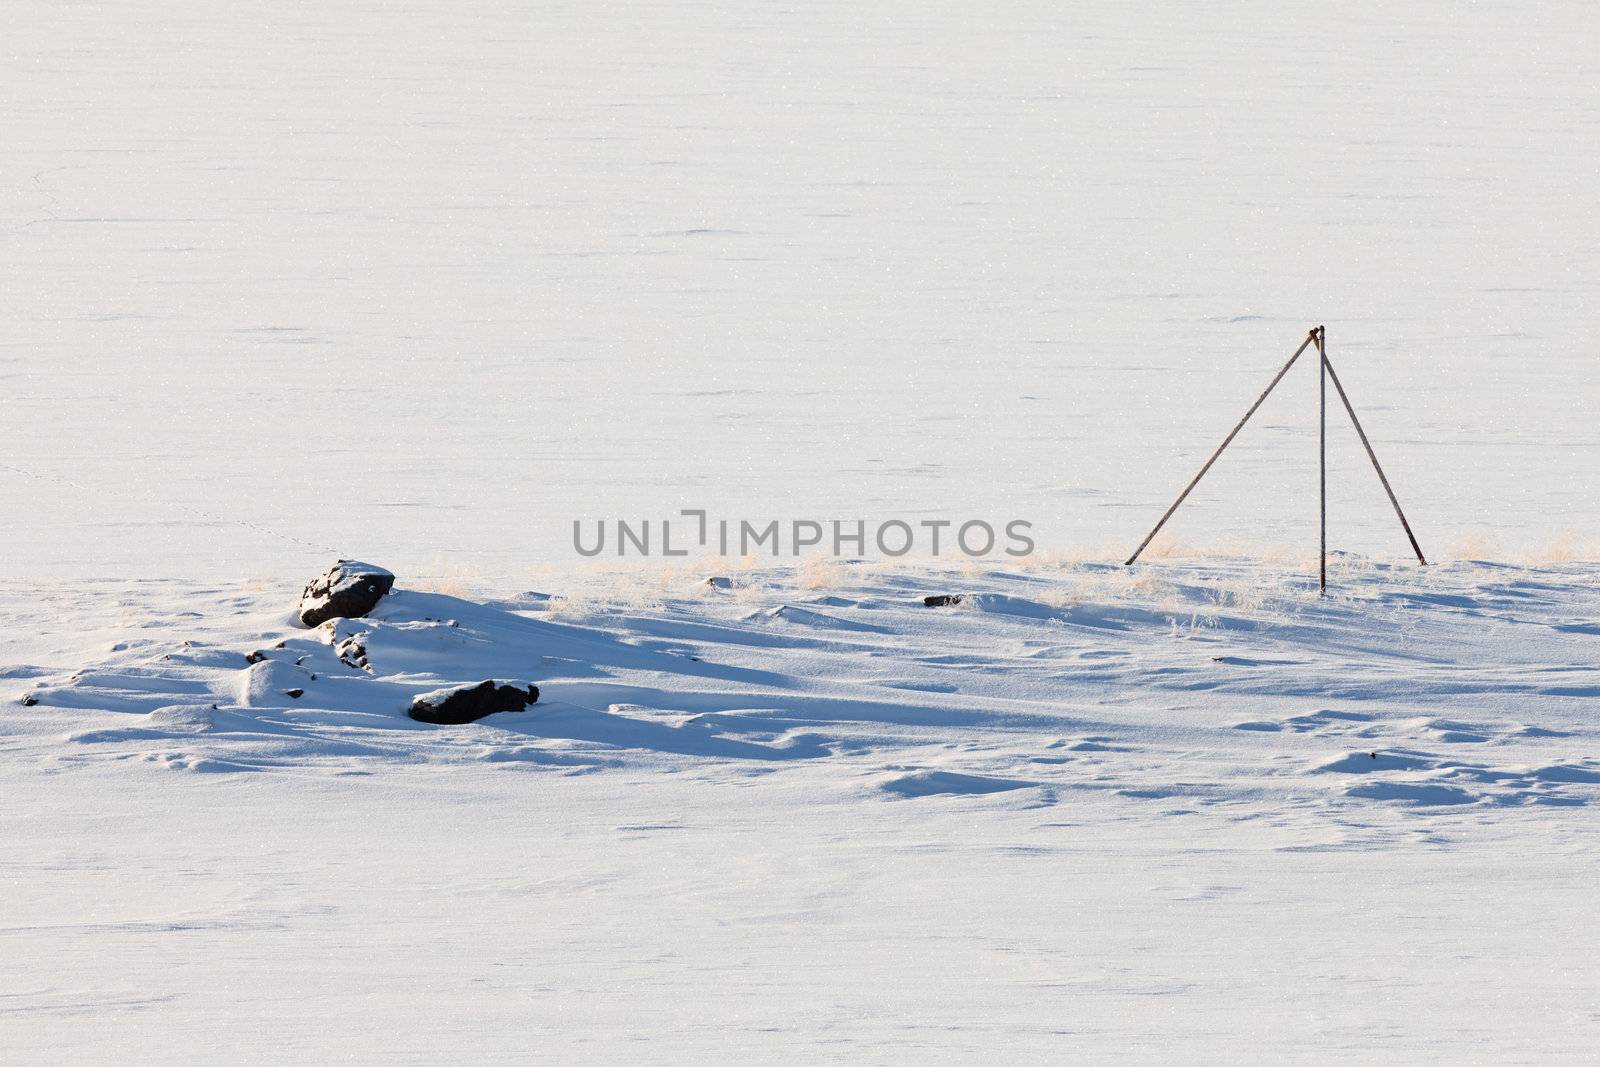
[[942, 600], [294, 694]]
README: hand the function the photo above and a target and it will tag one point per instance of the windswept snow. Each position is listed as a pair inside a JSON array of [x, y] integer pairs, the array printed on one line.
[[800, 814], [427, 283], [1198, 686]]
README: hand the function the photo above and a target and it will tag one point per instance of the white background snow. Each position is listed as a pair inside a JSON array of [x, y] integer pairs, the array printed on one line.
[[424, 283], [509, 265]]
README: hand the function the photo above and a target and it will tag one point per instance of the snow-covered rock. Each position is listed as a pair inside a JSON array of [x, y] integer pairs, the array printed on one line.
[[468, 703], [265, 683], [348, 591]]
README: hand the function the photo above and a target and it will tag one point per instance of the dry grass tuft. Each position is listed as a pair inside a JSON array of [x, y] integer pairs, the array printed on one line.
[[1563, 547], [820, 573]]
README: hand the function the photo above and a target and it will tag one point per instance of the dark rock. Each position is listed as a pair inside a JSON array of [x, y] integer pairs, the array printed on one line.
[[942, 600], [255, 657], [295, 694], [469, 703], [29, 701], [348, 591], [352, 652]]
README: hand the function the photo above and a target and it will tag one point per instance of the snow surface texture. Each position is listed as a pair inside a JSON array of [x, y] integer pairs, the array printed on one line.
[[799, 815], [424, 283], [503, 266]]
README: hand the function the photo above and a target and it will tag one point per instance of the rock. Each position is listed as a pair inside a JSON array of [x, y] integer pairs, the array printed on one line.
[[29, 701], [469, 703], [348, 591], [352, 652], [349, 641], [295, 694], [942, 600]]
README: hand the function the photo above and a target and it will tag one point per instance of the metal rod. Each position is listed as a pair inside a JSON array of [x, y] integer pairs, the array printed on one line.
[[1374, 457], [1322, 459], [1225, 442]]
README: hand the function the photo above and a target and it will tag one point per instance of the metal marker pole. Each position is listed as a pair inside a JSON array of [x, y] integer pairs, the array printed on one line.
[[1374, 457], [1322, 459], [1225, 442]]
